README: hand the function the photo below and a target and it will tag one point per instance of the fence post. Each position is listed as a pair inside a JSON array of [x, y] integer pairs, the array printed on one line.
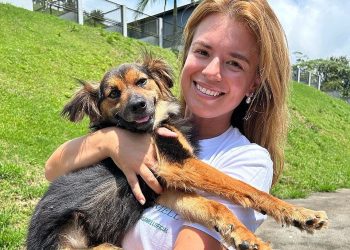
[[160, 32], [319, 82], [298, 77], [309, 78], [125, 26], [80, 12]]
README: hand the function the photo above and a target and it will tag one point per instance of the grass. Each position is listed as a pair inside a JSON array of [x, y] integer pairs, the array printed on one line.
[[318, 150], [40, 56]]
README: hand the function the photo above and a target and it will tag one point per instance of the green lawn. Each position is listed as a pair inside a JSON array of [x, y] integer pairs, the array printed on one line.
[[40, 56], [318, 150]]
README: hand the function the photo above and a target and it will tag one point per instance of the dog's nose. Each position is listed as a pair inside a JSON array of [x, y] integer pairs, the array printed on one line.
[[137, 104]]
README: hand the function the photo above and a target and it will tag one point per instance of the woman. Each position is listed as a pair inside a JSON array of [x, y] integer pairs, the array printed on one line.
[[234, 85]]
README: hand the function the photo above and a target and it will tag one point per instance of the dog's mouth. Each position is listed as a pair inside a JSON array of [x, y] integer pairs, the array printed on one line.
[[136, 123], [143, 119]]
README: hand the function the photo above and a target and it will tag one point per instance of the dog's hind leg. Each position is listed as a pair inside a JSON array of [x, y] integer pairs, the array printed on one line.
[[195, 174], [106, 246], [213, 215], [72, 235]]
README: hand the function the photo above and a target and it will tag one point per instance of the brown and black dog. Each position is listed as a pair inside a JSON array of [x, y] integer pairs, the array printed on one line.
[[87, 208]]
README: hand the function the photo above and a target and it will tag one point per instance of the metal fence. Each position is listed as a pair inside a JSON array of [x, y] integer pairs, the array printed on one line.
[[308, 77], [115, 17]]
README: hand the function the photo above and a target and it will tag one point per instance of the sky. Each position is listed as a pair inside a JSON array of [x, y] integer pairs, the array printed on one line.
[[316, 28]]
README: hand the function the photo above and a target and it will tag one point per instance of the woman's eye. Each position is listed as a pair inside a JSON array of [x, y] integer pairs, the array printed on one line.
[[202, 52], [235, 64], [114, 94], [141, 82]]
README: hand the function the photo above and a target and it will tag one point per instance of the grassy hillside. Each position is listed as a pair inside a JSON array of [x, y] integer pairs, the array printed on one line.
[[318, 150], [41, 54]]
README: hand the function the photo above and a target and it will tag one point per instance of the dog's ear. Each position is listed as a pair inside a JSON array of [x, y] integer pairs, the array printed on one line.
[[84, 102], [158, 69]]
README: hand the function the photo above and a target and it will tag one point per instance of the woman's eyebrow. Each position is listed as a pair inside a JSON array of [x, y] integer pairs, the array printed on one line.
[[201, 43], [240, 56], [232, 54]]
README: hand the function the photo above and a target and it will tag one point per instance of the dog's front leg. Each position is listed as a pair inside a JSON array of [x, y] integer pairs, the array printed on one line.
[[214, 215], [195, 174]]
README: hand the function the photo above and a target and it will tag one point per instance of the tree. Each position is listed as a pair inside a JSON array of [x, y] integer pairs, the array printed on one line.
[[95, 18], [334, 72]]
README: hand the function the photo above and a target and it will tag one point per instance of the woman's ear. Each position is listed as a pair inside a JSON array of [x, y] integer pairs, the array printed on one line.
[[254, 85]]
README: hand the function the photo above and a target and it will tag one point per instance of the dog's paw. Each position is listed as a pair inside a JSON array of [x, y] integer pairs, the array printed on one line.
[[309, 220], [242, 238]]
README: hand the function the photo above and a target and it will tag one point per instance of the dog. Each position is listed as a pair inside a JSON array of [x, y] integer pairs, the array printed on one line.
[[86, 208]]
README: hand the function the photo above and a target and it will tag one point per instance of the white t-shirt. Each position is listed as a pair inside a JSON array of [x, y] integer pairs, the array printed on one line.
[[231, 153]]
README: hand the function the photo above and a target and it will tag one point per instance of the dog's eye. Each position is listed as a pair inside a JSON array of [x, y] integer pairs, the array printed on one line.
[[141, 82], [114, 94]]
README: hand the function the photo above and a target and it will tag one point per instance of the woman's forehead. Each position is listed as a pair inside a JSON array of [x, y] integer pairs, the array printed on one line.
[[222, 32]]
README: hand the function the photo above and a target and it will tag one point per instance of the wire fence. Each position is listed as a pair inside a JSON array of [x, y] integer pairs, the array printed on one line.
[[308, 77], [315, 80], [117, 18]]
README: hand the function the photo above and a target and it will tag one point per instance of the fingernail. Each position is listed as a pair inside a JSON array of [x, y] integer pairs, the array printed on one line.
[[142, 201]]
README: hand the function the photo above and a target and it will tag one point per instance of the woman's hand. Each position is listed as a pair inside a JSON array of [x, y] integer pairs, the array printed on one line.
[[134, 155]]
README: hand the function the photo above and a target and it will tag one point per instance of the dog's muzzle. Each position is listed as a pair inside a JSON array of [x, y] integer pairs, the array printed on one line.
[[138, 113]]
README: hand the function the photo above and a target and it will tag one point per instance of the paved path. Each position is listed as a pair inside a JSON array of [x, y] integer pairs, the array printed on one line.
[[336, 236]]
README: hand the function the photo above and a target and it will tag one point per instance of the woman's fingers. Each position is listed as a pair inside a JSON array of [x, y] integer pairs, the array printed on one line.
[[165, 132], [135, 186], [148, 176]]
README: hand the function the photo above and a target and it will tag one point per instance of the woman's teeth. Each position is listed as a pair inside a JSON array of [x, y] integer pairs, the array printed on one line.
[[207, 91]]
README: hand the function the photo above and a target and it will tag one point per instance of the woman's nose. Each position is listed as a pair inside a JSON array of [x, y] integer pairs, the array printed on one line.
[[212, 70]]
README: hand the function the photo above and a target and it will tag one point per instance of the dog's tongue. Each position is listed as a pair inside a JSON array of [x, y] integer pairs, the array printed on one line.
[[143, 119]]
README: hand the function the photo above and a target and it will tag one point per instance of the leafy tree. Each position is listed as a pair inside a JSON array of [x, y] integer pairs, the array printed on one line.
[[334, 72], [95, 18]]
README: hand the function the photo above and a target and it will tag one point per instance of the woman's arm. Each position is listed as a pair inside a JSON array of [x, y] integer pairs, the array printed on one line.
[[238, 163], [194, 239], [133, 154]]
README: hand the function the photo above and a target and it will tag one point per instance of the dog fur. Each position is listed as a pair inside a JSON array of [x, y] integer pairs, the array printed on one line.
[[94, 207]]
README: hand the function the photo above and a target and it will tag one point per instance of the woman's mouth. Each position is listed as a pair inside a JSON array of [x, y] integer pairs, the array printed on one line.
[[207, 92]]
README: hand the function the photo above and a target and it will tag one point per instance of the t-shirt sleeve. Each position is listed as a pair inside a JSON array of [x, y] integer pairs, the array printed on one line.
[[251, 164]]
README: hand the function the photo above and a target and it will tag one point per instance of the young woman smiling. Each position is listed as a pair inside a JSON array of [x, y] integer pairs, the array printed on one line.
[[234, 84]]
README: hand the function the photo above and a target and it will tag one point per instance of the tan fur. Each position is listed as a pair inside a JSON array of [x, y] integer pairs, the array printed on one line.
[[211, 214], [163, 109], [73, 236]]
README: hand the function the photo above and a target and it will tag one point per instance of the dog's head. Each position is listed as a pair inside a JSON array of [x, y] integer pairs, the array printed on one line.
[[126, 97]]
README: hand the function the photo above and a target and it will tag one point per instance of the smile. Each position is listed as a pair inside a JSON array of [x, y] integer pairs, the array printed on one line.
[[207, 91]]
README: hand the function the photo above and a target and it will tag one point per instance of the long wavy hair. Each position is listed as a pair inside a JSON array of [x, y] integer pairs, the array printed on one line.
[[265, 120]]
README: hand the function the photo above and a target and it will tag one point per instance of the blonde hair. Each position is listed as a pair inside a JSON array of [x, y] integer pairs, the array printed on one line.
[[265, 121]]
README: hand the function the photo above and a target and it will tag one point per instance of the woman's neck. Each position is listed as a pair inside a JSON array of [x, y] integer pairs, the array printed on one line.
[[210, 127]]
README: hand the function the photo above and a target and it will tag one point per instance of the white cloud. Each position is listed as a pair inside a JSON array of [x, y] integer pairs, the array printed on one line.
[[317, 28]]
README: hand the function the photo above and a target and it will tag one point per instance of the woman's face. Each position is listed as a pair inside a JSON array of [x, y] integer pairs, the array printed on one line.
[[221, 67]]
